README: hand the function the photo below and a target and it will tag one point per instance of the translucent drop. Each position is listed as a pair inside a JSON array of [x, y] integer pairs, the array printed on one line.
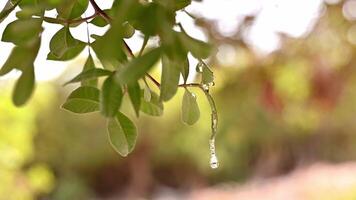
[[215, 123], [205, 87], [199, 67], [214, 163]]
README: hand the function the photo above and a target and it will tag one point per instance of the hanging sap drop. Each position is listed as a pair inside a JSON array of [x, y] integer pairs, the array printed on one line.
[[199, 67], [205, 87], [214, 163]]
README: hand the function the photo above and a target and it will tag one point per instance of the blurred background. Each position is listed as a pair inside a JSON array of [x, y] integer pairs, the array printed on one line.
[[286, 96]]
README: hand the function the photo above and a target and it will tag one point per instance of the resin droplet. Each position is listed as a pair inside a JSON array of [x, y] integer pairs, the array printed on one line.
[[199, 67], [205, 87], [214, 163], [212, 83]]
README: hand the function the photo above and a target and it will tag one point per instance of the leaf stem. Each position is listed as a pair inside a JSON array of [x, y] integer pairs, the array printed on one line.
[[71, 21]]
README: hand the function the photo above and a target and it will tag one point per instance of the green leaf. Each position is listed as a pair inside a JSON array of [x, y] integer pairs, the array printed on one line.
[[28, 11], [146, 93], [154, 107], [89, 75], [138, 67], [185, 69], [24, 87], [190, 108], [128, 30], [21, 57], [180, 4], [23, 32], [63, 46], [199, 49], [84, 99], [71, 9], [122, 134], [9, 7], [169, 79], [110, 55], [207, 76], [174, 4], [111, 97], [89, 64], [100, 21], [135, 96], [69, 54]]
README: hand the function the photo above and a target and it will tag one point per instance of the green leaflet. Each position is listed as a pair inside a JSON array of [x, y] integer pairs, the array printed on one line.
[[154, 107], [207, 76], [84, 99], [169, 78], [111, 97], [89, 75], [89, 64], [174, 4], [138, 67], [110, 55], [135, 96], [199, 49], [122, 134], [63, 46], [146, 93], [22, 32], [185, 69], [190, 108], [24, 86], [21, 57], [29, 11], [180, 4], [71, 9]]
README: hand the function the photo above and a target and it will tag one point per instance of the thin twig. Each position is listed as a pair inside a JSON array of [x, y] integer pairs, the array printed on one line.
[[71, 21], [88, 37]]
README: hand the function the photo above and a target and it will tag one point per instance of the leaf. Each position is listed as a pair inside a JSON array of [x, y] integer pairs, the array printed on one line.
[[63, 46], [122, 134], [180, 4], [185, 69], [89, 75], [23, 31], [21, 57], [170, 78], [199, 49], [174, 4], [154, 107], [111, 97], [24, 87], [71, 9], [84, 99], [207, 76], [29, 11], [138, 67], [110, 55], [135, 96], [190, 108], [9, 7], [69, 54], [89, 64], [146, 93]]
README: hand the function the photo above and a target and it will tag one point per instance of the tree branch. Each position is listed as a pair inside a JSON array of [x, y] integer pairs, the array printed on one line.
[[71, 21]]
